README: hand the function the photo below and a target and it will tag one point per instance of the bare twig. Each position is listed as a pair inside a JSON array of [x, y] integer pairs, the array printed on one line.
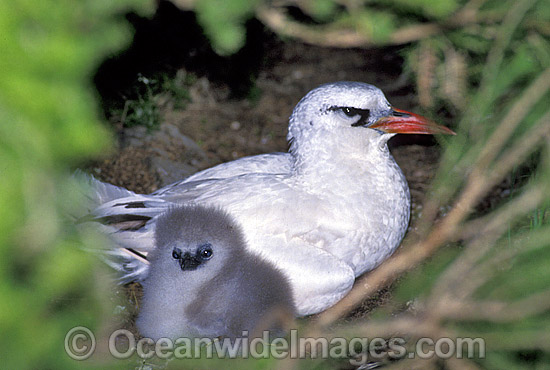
[[510, 23], [515, 116], [342, 37], [404, 325], [464, 310], [480, 271], [461, 364], [504, 216], [425, 75]]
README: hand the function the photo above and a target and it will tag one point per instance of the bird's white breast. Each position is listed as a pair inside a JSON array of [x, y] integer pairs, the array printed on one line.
[[355, 207]]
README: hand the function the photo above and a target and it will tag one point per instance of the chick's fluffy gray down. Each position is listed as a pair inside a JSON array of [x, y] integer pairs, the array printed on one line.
[[232, 292]]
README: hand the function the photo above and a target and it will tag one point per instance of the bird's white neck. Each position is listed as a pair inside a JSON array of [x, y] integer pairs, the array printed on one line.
[[357, 151]]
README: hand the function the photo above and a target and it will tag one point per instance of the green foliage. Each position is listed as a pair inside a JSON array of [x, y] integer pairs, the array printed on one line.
[[48, 122], [377, 25], [458, 54], [178, 87], [144, 109], [323, 10], [223, 22], [418, 283], [521, 270], [505, 276], [425, 8]]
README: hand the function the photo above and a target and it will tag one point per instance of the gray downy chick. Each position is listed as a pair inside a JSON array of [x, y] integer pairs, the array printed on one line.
[[203, 282]]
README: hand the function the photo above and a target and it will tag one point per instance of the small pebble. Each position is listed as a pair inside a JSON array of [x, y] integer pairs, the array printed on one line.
[[235, 125]]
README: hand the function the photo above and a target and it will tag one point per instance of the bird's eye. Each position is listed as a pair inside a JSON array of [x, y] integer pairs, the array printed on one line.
[[350, 112], [176, 253], [205, 251]]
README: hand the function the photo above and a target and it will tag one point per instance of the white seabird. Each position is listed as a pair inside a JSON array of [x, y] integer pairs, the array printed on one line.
[[336, 205]]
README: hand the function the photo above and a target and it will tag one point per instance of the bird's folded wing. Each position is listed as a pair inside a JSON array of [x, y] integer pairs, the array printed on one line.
[[263, 163]]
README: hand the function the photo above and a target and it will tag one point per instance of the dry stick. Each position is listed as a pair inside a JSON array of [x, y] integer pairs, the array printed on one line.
[[504, 216], [521, 149], [341, 38], [455, 363], [512, 157], [410, 328], [470, 9], [492, 68], [479, 248], [278, 22], [399, 326], [497, 311], [344, 38], [515, 116]]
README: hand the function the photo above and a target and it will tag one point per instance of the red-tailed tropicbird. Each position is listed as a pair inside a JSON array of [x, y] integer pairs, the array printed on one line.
[[336, 205]]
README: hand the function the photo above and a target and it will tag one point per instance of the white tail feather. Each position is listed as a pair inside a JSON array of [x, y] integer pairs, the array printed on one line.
[[129, 220]]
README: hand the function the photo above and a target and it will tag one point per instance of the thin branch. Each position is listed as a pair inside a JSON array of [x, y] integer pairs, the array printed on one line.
[[505, 215], [342, 37], [481, 272], [454, 363], [487, 93], [399, 326], [515, 116], [498, 311]]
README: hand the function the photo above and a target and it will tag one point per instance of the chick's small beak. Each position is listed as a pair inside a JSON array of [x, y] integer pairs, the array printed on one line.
[[189, 262], [403, 122]]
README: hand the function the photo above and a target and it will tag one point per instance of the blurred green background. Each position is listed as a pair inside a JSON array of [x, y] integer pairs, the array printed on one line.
[[483, 63]]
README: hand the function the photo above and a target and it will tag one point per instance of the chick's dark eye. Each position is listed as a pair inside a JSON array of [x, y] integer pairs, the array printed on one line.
[[176, 253], [205, 251]]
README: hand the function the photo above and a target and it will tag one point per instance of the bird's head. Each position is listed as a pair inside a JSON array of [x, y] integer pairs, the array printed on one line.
[[194, 238], [338, 107]]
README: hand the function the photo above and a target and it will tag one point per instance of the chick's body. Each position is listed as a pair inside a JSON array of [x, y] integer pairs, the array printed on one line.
[[204, 283]]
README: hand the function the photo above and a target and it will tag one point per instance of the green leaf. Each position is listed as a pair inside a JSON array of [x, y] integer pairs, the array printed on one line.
[[223, 22]]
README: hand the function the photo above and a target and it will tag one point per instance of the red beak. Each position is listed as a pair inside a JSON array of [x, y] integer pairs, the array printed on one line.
[[403, 122]]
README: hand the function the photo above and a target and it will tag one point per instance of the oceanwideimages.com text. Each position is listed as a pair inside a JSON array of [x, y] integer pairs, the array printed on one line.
[[80, 345]]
